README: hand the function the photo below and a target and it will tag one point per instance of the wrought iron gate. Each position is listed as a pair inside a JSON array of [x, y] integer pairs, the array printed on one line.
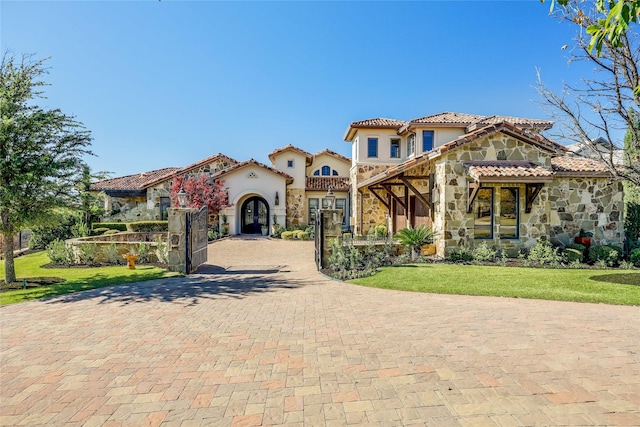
[[319, 232], [196, 245]]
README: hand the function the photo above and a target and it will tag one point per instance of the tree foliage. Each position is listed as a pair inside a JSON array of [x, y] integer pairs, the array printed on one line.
[[40, 152], [607, 101], [201, 192]]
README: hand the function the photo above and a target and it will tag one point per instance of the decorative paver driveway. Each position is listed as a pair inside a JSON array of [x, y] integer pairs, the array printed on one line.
[[261, 339]]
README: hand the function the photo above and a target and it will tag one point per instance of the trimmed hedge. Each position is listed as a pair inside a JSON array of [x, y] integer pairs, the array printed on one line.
[[572, 255], [578, 247], [148, 226], [99, 231], [120, 226], [111, 231], [634, 257], [607, 253]]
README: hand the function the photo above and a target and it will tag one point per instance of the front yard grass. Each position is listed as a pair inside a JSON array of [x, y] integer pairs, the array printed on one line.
[[76, 278], [620, 287]]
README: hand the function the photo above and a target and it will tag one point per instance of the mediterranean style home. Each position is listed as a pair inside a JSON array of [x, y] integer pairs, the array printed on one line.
[[291, 189], [475, 179]]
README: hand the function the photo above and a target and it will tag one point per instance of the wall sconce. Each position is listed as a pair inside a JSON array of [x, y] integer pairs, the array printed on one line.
[[182, 197], [277, 199], [331, 198]]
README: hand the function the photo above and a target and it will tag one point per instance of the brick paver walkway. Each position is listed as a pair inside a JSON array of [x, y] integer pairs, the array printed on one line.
[[262, 339]]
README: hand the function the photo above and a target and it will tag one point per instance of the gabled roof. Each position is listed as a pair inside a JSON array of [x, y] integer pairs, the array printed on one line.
[[333, 154], [314, 183], [133, 182], [252, 162], [376, 123], [187, 169], [290, 147]]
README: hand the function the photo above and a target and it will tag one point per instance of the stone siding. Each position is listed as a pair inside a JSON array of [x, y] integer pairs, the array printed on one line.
[[296, 207], [592, 204], [367, 208]]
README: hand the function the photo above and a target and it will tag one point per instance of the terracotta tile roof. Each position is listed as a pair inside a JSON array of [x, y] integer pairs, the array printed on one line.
[[376, 123], [507, 171], [334, 154], [133, 182], [323, 183], [518, 121], [450, 118], [254, 163], [578, 166], [473, 121], [187, 169], [290, 147]]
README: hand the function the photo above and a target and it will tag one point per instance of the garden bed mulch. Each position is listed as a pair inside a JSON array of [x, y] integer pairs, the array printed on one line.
[[30, 282]]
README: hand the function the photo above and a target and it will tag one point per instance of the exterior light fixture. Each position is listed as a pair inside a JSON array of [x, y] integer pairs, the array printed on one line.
[[182, 197], [277, 202], [331, 198]]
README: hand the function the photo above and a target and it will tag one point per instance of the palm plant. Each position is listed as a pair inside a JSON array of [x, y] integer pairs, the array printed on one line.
[[414, 238]]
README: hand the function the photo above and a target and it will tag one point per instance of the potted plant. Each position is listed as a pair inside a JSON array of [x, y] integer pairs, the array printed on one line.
[[225, 226], [275, 225], [264, 229], [583, 238]]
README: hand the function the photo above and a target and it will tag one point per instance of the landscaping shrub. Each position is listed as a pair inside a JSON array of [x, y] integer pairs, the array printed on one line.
[[311, 231], [99, 231], [59, 252], [543, 253], [380, 231], [162, 251], [111, 255], [59, 227], [277, 233], [143, 250], [120, 226], [634, 257], [414, 238], [460, 254], [632, 224], [483, 253], [80, 229], [303, 235], [110, 231], [148, 226], [87, 253], [578, 247], [610, 254], [572, 255], [213, 235], [287, 235]]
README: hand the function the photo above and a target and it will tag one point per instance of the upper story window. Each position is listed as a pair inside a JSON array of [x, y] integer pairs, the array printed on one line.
[[372, 147], [483, 213], [411, 144], [289, 163], [325, 171], [427, 140], [395, 148]]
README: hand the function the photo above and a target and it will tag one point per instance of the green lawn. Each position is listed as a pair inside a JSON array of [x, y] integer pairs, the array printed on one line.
[[598, 286], [77, 279]]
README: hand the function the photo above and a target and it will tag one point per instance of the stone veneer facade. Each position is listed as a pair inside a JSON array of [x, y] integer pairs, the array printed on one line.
[[296, 210], [367, 208]]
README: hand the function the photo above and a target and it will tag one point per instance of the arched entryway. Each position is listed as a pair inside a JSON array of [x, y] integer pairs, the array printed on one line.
[[253, 215]]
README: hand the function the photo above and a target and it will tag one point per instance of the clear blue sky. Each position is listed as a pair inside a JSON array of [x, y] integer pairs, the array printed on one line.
[[169, 83]]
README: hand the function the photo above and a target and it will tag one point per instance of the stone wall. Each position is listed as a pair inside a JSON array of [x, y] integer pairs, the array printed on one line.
[[127, 209], [592, 204], [366, 207], [296, 208]]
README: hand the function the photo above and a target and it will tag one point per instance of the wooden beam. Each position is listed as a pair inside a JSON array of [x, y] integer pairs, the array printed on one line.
[[379, 197], [473, 192], [416, 192], [531, 192], [394, 197]]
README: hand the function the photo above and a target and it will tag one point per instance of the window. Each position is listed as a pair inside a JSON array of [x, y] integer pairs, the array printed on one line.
[[326, 171], [289, 163], [342, 204], [483, 214], [372, 147], [165, 203], [411, 144], [313, 206], [427, 140], [334, 173], [509, 213], [316, 172], [395, 148]]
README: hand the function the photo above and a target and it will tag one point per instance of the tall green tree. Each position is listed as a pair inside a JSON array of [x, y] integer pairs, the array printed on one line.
[[41, 152], [607, 100], [631, 156]]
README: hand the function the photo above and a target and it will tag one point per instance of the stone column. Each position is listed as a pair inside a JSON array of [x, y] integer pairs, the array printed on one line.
[[332, 228], [177, 239]]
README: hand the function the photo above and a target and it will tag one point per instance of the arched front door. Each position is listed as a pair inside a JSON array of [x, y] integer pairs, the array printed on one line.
[[255, 214]]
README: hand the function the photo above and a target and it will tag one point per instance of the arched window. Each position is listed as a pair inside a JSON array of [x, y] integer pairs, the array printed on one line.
[[316, 173], [326, 171]]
